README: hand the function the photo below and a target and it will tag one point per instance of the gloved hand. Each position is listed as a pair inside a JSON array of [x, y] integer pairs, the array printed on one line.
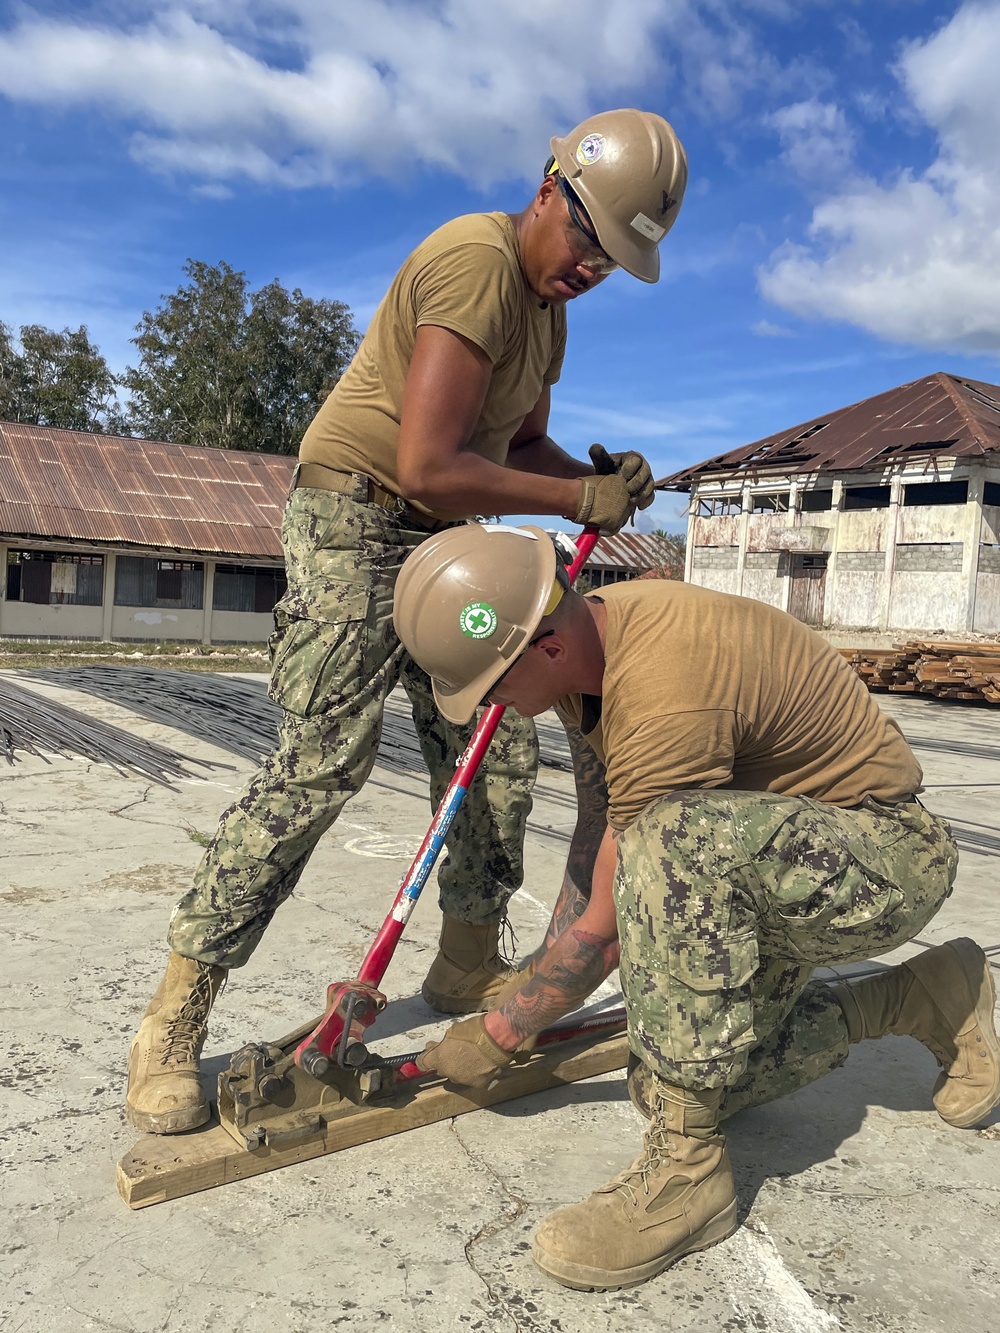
[[631, 467], [466, 1055], [606, 503]]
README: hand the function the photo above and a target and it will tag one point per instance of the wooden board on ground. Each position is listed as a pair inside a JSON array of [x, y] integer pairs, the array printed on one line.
[[161, 1167]]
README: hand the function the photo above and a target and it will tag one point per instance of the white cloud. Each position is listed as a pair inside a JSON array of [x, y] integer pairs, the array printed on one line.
[[916, 259], [763, 328], [816, 141], [360, 87], [296, 93]]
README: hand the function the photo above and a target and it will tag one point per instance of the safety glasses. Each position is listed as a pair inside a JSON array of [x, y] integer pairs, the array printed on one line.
[[590, 255], [484, 701]]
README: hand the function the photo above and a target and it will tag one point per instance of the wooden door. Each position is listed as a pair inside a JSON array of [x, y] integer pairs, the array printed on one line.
[[808, 589]]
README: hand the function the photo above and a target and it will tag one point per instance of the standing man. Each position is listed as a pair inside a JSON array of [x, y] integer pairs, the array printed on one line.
[[442, 414], [761, 822]]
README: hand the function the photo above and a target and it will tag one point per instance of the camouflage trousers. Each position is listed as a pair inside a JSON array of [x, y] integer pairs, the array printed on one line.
[[726, 903], [334, 659]]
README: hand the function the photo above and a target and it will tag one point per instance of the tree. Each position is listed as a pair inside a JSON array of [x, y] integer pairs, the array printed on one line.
[[222, 366], [674, 545], [56, 379]]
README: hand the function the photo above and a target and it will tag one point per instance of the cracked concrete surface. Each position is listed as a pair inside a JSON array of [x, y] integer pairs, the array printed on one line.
[[862, 1211]]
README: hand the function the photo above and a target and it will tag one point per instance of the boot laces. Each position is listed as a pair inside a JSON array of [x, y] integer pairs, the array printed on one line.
[[507, 942], [655, 1150], [186, 1029]]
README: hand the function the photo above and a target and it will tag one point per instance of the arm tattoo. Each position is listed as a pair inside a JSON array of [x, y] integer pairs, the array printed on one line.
[[565, 977], [591, 821]]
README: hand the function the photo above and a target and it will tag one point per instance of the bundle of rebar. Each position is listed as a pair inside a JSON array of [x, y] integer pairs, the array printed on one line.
[[954, 670], [235, 715], [35, 725]]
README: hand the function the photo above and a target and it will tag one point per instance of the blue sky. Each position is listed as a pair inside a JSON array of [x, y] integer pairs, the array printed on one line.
[[839, 236]]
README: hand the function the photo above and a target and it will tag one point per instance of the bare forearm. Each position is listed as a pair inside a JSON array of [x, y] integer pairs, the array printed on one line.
[[469, 484], [543, 457], [591, 822], [569, 971]]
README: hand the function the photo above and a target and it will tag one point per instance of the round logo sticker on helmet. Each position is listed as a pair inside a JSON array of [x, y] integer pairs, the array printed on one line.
[[478, 620], [590, 149]]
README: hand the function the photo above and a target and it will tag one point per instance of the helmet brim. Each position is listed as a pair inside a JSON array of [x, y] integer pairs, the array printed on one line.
[[632, 251]]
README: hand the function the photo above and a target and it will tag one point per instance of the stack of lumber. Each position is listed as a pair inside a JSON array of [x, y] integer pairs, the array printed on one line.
[[949, 670]]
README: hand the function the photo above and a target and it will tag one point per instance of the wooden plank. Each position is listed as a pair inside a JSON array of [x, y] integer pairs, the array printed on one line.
[[161, 1167]]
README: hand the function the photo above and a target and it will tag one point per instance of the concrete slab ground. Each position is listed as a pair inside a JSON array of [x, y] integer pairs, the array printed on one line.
[[863, 1211]]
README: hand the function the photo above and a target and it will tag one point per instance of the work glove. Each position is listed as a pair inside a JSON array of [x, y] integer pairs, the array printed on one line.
[[606, 503], [466, 1055], [631, 467]]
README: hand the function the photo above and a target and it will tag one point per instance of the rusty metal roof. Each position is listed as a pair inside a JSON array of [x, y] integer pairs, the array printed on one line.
[[629, 550], [72, 485], [942, 416]]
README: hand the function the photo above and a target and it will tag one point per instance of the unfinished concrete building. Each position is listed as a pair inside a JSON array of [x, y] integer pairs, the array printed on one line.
[[882, 515]]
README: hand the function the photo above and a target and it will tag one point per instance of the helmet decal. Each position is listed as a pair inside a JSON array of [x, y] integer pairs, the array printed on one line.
[[590, 149], [478, 620]]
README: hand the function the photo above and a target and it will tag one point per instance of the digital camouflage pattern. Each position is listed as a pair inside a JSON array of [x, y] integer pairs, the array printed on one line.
[[726, 903], [334, 659]]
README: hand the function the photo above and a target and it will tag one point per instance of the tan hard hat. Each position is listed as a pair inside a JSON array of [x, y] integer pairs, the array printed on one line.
[[466, 604], [630, 170]]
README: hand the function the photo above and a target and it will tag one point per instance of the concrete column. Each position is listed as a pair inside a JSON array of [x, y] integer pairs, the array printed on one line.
[[891, 533], [972, 532], [743, 528], [3, 582], [209, 597], [108, 596], [832, 520], [689, 548]]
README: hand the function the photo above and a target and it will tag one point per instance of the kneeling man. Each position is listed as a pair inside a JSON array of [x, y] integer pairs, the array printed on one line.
[[762, 821]]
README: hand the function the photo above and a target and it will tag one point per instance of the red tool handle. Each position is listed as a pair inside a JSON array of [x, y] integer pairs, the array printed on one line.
[[318, 1047], [380, 954]]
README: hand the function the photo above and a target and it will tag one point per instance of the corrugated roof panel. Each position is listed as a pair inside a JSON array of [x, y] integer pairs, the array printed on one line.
[[73, 485], [940, 416]]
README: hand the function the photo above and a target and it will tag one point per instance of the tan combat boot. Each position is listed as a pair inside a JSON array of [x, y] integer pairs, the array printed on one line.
[[164, 1093], [468, 972], [676, 1198], [639, 1082], [944, 998]]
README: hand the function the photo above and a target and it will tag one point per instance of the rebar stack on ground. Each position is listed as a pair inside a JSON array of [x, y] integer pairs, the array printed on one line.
[[238, 716], [235, 715], [38, 726]]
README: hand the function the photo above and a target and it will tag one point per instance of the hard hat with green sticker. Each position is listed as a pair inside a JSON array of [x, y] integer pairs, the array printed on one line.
[[478, 620]]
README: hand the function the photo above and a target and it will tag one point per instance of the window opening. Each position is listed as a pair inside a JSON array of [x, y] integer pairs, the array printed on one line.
[[935, 493], [866, 497], [55, 578]]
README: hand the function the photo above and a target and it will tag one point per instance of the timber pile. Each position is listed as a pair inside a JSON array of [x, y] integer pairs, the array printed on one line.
[[948, 670]]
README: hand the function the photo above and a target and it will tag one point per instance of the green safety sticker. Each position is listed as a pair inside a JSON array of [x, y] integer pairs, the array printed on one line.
[[478, 620]]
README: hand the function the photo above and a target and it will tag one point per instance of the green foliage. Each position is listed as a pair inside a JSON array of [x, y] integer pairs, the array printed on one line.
[[220, 365], [56, 379], [674, 546]]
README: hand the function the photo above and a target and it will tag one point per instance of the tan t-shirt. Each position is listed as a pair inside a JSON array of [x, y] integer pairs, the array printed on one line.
[[465, 277], [703, 689]]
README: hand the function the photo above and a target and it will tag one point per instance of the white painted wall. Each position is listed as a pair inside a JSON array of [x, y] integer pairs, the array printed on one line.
[[241, 627], [137, 622], [927, 601], [57, 622], [862, 530]]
